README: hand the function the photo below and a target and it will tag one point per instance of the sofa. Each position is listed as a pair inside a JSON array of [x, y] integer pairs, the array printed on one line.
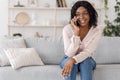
[[107, 57]]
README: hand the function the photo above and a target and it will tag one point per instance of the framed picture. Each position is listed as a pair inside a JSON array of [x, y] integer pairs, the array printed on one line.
[[32, 3]]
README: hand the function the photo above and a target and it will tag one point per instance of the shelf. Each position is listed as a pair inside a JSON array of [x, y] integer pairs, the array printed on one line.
[[41, 8], [36, 26], [44, 8]]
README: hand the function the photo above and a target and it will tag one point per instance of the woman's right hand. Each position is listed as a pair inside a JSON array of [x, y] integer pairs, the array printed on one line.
[[75, 27], [68, 67]]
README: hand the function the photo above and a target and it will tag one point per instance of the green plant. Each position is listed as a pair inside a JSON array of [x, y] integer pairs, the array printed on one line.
[[113, 28]]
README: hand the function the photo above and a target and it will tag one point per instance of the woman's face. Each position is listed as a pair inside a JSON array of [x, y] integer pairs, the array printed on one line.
[[83, 16]]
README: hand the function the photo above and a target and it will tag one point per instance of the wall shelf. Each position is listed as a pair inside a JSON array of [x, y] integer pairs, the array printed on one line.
[[49, 21], [36, 26], [45, 8]]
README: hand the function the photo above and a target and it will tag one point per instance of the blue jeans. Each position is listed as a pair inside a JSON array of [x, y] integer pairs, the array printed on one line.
[[85, 68]]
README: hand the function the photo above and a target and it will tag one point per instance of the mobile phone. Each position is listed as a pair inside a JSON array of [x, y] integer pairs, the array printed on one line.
[[77, 23]]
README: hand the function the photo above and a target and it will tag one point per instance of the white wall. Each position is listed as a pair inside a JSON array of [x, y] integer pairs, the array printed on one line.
[[3, 17]]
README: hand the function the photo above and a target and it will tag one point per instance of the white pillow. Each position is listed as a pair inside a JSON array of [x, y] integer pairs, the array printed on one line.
[[9, 43], [20, 57], [3, 58]]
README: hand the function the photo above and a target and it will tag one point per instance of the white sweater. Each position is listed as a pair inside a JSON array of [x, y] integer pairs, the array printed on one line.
[[80, 50]]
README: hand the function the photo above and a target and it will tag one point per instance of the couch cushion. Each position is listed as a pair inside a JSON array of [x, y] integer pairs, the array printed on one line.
[[108, 50], [9, 42], [47, 72], [107, 72], [20, 57], [50, 49], [53, 72]]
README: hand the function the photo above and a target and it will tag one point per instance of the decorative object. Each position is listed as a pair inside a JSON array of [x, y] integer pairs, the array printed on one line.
[[61, 3], [46, 22], [22, 18], [33, 20], [32, 3], [18, 5], [112, 28], [17, 34], [37, 35], [20, 57]]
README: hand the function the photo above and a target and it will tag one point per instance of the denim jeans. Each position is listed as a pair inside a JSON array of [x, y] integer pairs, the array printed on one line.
[[85, 68]]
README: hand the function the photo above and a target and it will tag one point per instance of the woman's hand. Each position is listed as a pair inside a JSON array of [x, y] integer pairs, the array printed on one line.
[[75, 27], [68, 67]]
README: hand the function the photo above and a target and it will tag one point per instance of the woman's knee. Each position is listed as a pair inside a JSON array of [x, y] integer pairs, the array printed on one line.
[[88, 63], [75, 68]]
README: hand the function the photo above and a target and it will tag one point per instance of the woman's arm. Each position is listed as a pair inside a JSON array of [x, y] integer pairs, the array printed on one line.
[[71, 44]]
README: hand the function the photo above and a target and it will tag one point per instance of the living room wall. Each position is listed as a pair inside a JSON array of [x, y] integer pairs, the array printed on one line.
[[3, 17]]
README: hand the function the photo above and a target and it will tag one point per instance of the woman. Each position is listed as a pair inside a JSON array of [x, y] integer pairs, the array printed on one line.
[[80, 37]]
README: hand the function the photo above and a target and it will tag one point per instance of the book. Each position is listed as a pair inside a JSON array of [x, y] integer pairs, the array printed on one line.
[[64, 3], [58, 4]]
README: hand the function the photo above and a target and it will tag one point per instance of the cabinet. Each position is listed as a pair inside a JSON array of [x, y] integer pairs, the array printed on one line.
[[43, 18]]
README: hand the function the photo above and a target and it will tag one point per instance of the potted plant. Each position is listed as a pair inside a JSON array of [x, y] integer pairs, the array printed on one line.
[[112, 28]]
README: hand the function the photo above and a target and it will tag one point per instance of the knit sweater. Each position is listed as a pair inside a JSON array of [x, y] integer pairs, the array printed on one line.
[[80, 50]]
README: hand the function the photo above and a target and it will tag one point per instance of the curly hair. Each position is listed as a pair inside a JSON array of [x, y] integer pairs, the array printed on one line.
[[92, 12]]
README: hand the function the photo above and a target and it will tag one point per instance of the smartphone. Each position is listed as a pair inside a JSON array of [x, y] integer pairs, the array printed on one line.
[[77, 23]]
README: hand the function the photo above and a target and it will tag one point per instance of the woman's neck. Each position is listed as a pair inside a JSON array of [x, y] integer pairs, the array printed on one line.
[[85, 28]]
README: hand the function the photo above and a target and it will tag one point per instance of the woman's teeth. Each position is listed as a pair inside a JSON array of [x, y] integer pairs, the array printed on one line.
[[82, 21]]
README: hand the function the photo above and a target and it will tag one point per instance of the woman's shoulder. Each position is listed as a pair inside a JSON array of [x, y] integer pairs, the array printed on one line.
[[99, 28], [67, 28]]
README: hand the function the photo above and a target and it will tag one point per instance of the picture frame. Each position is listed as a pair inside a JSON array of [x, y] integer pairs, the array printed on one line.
[[32, 3]]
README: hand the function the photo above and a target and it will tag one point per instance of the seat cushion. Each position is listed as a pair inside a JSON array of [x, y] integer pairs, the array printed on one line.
[[107, 72], [47, 72], [53, 72]]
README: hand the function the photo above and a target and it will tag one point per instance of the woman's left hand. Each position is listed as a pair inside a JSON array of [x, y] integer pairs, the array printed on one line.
[[68, 67]]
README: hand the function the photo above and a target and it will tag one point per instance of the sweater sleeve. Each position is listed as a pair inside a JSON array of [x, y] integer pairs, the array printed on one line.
[[71, 44], [89, 49]]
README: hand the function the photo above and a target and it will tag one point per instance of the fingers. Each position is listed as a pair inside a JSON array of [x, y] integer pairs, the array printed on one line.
[[67, 68], [73, 22], [74, 19], [66, 71]]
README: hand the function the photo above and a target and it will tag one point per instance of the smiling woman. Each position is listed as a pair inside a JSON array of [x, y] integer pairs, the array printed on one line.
[[80, 42]]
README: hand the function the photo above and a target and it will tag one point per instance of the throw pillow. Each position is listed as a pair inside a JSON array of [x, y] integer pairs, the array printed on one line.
[[9, 43], [3, 58], [20, 57]]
